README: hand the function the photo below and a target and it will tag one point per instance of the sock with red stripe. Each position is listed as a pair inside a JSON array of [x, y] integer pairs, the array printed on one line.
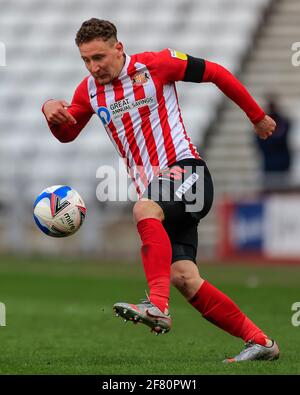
[[220, 310], [156, 256]]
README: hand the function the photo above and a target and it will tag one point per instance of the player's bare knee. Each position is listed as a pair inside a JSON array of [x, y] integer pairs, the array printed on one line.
[[147, 209], [182, 281], [186, 279], [178, 280]]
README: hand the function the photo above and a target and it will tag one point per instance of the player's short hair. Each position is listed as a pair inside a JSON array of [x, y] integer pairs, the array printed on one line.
[[96, 28]]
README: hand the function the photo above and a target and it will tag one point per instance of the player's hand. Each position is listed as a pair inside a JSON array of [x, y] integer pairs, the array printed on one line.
[[56, 112], [265, 128]]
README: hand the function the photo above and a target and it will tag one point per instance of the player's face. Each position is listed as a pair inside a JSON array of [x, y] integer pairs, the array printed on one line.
[[103, 59]]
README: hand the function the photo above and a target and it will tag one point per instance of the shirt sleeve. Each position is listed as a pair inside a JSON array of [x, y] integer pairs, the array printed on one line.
[[233, 89], [174, 66], [170, 65], [80, 109]]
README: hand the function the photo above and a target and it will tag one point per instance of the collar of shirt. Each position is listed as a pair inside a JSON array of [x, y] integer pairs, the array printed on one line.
[[125, 67]]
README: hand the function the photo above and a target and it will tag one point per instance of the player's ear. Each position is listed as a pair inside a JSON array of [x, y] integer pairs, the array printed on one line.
[[119, 47]]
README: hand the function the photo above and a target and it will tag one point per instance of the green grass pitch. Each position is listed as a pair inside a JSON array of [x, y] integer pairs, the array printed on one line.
[[60, 320]]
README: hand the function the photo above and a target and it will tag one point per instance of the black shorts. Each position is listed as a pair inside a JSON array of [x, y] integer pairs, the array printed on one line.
[[185, 193]]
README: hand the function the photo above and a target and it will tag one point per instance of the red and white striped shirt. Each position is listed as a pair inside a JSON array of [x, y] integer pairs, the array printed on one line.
[[141, 114]]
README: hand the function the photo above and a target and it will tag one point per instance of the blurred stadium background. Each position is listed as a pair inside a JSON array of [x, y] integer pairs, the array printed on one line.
[[254, 39]]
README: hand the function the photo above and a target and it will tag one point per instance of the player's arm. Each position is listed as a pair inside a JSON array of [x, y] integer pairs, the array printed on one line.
[[67, 120], [200, 70], [174, 66]]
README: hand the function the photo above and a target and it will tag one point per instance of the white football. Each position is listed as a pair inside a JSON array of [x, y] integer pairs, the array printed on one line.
[[59, 211]]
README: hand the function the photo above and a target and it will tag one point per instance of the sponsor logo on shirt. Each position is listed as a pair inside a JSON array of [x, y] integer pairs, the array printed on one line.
[[177, 54], [122, 106], [104, 115], [140, 78]]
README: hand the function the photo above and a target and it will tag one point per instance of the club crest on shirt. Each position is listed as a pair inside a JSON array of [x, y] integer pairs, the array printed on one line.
[[140, 78]]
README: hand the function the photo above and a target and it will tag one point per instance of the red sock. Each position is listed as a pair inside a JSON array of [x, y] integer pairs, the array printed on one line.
[[220, 310], [156, 256]]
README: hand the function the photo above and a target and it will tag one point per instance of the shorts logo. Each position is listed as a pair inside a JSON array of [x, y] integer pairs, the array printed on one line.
[[188, 183], [140, 78], [177, 54], [104, 115]]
